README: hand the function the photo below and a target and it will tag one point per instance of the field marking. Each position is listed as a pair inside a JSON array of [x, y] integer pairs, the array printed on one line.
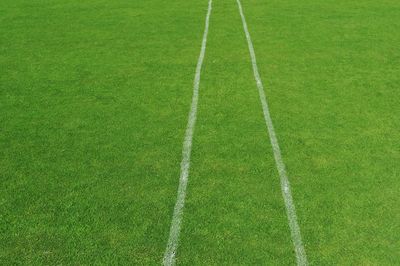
[[170, 252], [285, 186]]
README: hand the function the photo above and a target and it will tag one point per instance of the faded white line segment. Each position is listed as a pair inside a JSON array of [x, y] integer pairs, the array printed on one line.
[[285, 186], [170, 252]]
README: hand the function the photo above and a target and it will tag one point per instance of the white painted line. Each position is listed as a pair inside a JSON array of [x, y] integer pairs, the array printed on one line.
[[170, 252], [285, 186]]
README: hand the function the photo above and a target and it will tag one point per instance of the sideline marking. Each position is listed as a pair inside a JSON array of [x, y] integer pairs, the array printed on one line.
[[170, 252], [285, 186]]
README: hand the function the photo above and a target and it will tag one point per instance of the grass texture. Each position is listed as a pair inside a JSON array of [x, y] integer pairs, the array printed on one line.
[[94, 98]]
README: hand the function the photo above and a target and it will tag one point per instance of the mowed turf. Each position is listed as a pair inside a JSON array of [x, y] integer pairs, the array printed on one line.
[[94, 99], [234, 211], [332, 72]]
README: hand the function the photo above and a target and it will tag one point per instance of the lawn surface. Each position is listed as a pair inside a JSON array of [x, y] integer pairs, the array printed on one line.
[[94, 99]]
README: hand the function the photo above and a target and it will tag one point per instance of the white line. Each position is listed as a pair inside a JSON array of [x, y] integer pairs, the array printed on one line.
[[170, 252], [285, 186]]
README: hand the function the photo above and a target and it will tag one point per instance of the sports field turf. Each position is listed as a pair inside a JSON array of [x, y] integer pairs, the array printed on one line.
[[94, 104]]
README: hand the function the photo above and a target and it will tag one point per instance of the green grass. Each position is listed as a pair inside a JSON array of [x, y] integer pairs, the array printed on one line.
[[94, 102], [94, 98], [332, 69]]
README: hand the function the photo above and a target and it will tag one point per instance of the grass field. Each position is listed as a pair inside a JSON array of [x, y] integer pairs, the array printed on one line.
[[94, 104]]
